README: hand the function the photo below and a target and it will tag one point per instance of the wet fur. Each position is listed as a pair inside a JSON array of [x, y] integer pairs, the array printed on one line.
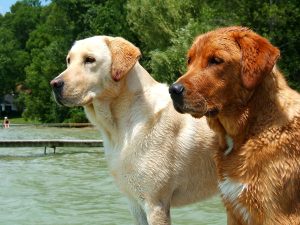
[[260, 177]]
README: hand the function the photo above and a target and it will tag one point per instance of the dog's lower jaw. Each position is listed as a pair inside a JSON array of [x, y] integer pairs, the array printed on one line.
[[178, 108], [69, 102], [196, 113], [184, 110], [58, 101], [58, 98]]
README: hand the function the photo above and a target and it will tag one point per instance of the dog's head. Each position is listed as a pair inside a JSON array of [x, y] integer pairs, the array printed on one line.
[[95, 67], [224, 68]]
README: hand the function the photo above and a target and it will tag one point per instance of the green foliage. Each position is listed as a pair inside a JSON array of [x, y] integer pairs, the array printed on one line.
[[14, 31], [35, 39], [168, 63], [156, 21], [76, 115], [279, 21], [46, 64], [49, 44], [109, 19], [24, 18]]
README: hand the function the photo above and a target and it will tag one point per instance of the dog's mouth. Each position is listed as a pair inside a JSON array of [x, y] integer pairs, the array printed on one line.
[[197, 110], [185, 108], [178, 108], [58, 98], [62, 101], [73, 100]]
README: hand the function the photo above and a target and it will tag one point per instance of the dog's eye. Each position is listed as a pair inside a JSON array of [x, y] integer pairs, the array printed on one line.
[[89, 59], [189, 60], [68, 60], [215, 61]]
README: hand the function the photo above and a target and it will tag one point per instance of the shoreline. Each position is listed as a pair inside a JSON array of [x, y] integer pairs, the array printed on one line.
[[68, 125]]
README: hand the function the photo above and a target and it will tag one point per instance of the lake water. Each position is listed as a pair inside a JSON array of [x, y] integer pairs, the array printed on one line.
[[72, 186]]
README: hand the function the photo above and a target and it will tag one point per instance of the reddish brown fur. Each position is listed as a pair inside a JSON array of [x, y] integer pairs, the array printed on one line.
[[261, 114]]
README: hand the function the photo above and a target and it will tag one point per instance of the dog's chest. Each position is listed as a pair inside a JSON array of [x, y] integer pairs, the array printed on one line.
[[128, 176], [232, 192]]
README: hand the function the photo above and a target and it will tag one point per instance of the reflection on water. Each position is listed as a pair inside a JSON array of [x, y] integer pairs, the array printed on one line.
[[72, 186]]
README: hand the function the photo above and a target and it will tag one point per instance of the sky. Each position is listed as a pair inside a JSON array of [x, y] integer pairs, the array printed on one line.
[[5, 5]]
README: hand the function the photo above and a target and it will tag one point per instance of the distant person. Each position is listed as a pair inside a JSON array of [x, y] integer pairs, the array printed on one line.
[[6, 122]]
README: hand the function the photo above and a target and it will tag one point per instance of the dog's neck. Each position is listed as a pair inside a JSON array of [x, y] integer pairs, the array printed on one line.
[[113, 114], [269, 98], [139, 80]]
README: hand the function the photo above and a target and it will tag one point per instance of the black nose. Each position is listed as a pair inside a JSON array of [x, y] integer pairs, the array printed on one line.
[[57, 85], [176, 89]]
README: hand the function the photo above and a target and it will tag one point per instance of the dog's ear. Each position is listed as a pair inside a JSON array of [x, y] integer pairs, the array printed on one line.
[[258, 57], [124, 56]]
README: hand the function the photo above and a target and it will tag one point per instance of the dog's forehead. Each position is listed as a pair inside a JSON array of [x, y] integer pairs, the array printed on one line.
[[214, 42], [96, 45]]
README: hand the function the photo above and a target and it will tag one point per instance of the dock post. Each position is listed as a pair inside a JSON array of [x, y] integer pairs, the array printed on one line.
[[45, 150], [54, 148]]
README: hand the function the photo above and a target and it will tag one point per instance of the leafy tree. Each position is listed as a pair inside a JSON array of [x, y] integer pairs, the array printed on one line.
[[171, 39], [108, 18], [167, 29], [14, 32], [49, 44], [34, 39], [7, 46], [24, 19], [279, 21], [155, 22]]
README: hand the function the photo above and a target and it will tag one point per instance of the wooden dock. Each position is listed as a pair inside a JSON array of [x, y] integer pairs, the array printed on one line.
[[64, 125], [50, 143]]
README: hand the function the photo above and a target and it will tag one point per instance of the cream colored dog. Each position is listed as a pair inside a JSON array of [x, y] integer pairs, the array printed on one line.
[[158, 157]]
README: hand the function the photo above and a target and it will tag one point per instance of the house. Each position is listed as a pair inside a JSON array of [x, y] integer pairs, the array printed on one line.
[[7, 105]]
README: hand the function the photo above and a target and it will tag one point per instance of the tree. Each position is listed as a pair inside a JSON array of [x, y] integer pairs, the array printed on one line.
[[167, 29], [35, 39], [109, 18], [49, 44], [14, 33], [168, 34]]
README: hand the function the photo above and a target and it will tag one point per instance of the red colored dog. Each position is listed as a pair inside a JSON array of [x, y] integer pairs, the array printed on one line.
[[232, 79]]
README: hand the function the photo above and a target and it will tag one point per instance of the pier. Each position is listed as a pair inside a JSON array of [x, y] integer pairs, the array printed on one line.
[[50, 143], [65, 125]]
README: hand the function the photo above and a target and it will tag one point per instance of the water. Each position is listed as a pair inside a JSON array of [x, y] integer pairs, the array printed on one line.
[[72, 186]]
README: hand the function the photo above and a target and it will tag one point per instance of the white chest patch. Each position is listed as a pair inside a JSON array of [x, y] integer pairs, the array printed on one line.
[[231, 192], [229, 142]]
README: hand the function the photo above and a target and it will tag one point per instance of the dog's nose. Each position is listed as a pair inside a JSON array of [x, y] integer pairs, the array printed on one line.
[[176, 89], [57, 85]]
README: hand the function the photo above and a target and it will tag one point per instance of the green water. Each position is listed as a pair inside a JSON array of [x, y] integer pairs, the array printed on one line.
[[72, 186]]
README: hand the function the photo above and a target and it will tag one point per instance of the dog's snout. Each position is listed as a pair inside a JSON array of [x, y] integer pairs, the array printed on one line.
[[57, 84], [176, 89]]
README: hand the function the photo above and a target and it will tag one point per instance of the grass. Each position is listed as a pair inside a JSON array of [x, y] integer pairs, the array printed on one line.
[[20, 120]]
